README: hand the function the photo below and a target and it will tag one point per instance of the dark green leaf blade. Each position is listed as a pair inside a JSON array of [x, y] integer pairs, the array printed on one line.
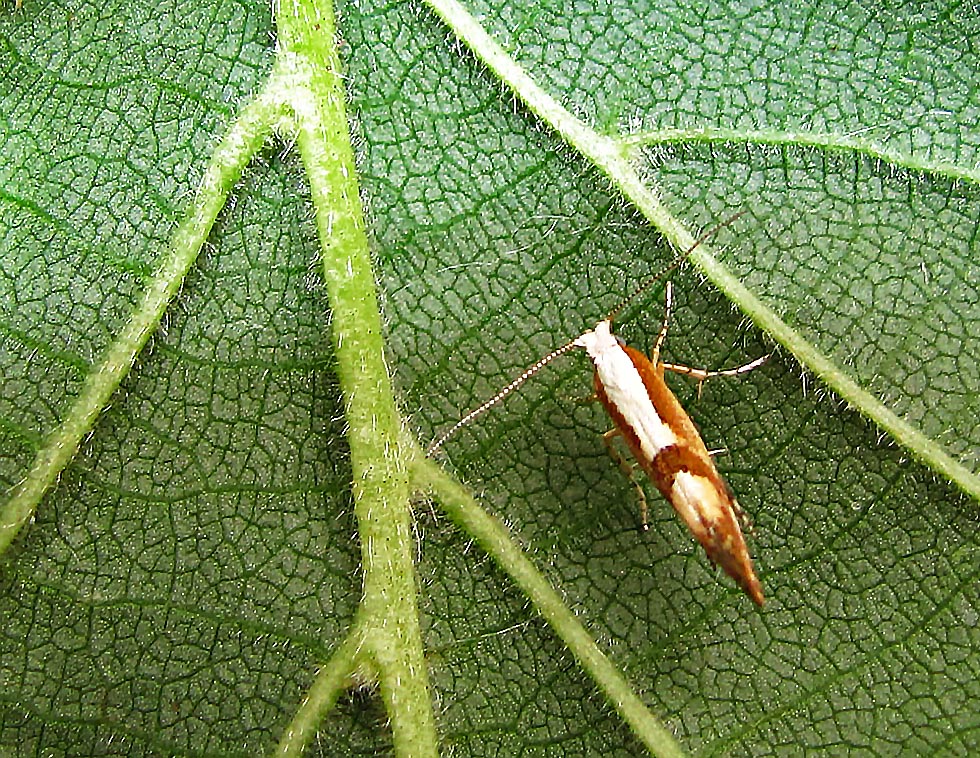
[[206, 520]]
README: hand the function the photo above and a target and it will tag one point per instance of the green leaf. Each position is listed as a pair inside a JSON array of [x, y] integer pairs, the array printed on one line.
[[198, 561]]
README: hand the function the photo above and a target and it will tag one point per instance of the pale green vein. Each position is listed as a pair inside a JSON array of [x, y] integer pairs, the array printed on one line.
[[239, 144], [612, 157], [331, 680], [813, 140], [390, 640], [494, 538]]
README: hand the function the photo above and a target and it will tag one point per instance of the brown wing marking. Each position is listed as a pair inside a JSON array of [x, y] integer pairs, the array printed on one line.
[[686, 476]]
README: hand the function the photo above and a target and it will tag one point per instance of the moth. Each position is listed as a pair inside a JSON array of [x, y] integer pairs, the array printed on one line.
[[658, 432]]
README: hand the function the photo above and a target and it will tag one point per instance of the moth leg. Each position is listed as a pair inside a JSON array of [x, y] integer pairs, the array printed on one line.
[[662, 337], [703, 374], [744, 519], [629, 470]]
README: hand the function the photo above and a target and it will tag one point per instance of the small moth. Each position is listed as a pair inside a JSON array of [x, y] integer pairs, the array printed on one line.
[[658, 433]]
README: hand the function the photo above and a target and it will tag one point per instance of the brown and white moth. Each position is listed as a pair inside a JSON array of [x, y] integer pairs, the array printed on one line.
[[659, 434]]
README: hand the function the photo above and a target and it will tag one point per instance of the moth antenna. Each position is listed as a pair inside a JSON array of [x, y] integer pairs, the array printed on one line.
[[536, 367], [677, 262], [487, 405]]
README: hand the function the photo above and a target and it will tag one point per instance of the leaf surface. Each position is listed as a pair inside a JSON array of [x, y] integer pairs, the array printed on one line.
[[198, 558]]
